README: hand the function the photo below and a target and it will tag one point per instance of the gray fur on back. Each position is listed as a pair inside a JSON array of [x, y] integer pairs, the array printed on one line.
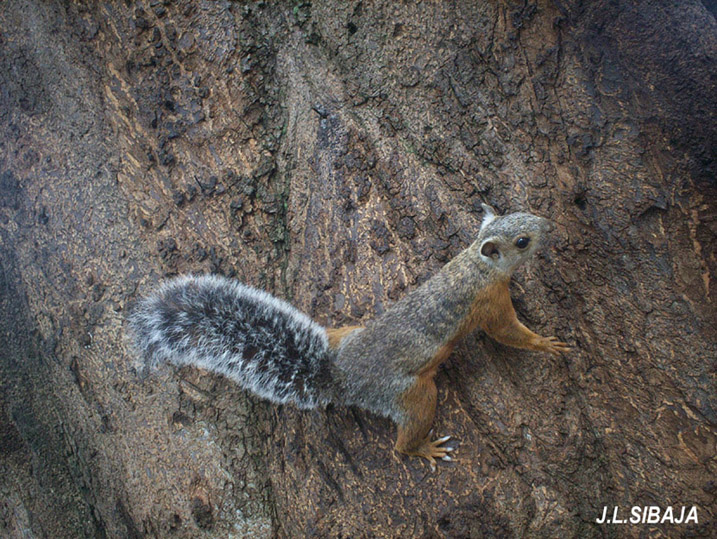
[[219, 324]]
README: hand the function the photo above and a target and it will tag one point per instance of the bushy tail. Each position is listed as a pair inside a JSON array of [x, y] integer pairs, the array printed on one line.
[[259, 341]]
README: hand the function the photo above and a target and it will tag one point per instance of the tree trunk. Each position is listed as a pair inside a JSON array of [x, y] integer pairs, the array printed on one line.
[[336, 154]]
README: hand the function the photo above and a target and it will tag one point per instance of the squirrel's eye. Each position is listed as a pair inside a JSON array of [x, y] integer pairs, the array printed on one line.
[[522, 242]]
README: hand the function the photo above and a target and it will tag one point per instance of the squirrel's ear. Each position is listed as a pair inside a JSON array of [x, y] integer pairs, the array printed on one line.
[[489, 249], [488, 214]]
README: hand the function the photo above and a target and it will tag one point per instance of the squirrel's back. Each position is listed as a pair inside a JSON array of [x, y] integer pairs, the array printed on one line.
[[259, 341]]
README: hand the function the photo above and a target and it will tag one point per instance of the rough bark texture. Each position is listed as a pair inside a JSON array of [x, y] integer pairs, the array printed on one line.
[[336, 154]]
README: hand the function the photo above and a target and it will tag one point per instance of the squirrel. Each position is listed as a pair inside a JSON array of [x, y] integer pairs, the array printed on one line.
[[386, 366]]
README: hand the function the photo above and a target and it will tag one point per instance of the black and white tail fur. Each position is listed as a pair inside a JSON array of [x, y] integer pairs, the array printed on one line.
[[259, 341]]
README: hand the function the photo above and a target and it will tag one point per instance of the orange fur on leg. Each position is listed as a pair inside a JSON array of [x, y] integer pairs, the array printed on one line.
[[419, 406], [336, 335], [501, 323]]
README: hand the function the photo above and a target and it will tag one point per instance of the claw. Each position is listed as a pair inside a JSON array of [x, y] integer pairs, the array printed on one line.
[[554, 346], [432, 450]]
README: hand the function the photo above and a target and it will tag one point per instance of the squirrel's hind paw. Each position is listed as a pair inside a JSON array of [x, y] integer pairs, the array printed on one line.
[[432, 450]]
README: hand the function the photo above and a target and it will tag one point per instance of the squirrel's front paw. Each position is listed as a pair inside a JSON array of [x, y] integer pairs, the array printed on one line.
[[552, 345]]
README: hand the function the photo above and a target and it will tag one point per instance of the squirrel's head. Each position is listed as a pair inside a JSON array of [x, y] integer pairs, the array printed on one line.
[[506, 241]]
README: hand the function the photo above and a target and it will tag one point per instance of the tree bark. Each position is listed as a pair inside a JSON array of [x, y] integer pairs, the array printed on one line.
[[336, 154]]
